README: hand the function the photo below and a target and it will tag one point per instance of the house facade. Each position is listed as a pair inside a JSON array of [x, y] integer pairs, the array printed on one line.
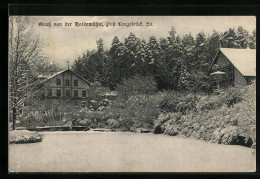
[[233, 66], [66, 83]]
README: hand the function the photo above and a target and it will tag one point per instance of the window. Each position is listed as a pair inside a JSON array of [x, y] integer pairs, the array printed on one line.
[[83, 93], [58, 92], [226, 79], [67, 93], [49, 92], [75, 93], [58, 82], [67, 82], [75, 82]]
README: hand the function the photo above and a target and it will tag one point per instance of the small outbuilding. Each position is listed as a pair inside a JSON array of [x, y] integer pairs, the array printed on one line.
[[233, 66]]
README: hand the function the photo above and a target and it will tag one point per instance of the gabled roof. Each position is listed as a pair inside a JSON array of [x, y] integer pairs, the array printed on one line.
[[53, 75], [244, 60], [60, 72]]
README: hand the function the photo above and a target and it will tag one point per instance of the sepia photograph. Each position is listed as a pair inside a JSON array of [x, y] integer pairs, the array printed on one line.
[[131, 94]]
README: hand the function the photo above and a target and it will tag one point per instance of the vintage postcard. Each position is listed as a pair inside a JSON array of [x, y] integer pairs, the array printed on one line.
[[132, 93]]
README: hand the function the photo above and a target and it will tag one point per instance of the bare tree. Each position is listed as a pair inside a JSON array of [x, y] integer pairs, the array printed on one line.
[[24, 46]]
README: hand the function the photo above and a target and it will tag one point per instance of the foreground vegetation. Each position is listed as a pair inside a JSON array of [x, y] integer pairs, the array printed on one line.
[[227, 117], [24, 136]]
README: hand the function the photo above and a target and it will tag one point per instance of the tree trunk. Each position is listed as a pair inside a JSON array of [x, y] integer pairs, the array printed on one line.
[[14, 118]]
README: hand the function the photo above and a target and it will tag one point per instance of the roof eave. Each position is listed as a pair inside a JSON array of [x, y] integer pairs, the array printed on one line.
[[214, 59]]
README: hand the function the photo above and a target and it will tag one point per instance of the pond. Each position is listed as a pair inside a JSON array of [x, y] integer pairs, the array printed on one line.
[[127, 152]]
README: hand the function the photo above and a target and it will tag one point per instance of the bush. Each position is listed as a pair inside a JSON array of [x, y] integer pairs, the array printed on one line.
[[179, 102], [227, 97], [136, 86], [227, 118], [85, 122], [49, 112], [232, 96], [24, 136], [112, 123], [95, 92]]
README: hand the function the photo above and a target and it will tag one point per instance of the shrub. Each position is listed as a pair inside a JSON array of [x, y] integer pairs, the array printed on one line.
[[232, 96], [137, 85], [85, 122], [112, 123], [49, 112], [179, 102], [24, 136]]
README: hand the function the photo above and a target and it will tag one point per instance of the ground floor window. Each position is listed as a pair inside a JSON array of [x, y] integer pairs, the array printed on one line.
[[75, 93], [58, 92], [67, 93], [83, 93], [227, 79]]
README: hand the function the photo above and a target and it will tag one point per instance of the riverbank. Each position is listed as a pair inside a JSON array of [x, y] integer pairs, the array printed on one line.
[[210, 127], [224, 118], [24, 136]]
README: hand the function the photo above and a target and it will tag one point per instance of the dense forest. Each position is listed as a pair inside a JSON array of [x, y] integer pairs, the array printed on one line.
[[175, 62]]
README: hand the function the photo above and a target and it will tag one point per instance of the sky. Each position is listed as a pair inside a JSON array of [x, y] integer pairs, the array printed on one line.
[[65, 43]]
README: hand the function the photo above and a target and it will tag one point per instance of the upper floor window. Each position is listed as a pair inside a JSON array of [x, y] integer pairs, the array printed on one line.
[[75, 82], [58, 82], [67, 83]]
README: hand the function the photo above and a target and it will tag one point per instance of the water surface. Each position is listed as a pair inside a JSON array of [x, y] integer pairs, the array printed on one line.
[[127, 152]]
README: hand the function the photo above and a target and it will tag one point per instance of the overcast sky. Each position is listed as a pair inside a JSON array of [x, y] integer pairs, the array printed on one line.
[[66, 43]]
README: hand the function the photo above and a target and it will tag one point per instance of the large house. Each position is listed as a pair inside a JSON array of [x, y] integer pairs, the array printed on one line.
[[65, 83], [233, 66]]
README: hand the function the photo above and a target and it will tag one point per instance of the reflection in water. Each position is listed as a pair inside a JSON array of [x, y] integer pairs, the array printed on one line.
[[126, 152]]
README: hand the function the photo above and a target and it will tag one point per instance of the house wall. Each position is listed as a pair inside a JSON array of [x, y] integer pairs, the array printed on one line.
[[239, 78], [223, 62], [52, 84]]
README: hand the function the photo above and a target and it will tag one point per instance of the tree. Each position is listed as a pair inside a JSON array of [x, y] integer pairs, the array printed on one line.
[[201, 60], [252, 40], [137, 85], [24, 47], [130, 55], [86, 65], [100, 60], [112, 69], [174, 62], [41, 66], [229, 39], [242, 37], [153, 56], [213, 44], [188, 40]]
